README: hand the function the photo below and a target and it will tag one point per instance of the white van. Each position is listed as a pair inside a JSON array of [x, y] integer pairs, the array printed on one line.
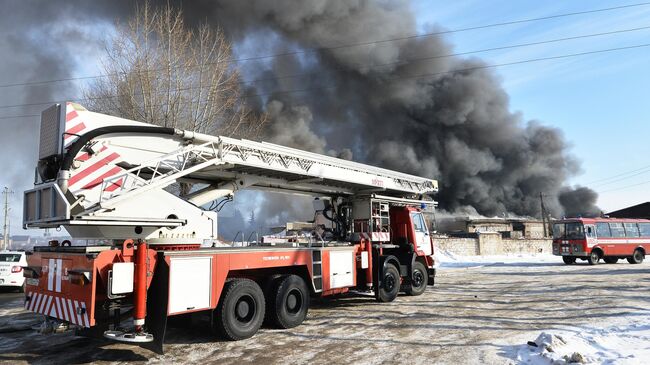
[[11, 269]]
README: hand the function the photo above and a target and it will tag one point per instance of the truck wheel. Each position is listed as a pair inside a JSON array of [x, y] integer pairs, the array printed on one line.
[[593, 258], [569, 260], [637, 257], [610, 260], [418, 282], [290, 302], [240, 311], [390, 284]]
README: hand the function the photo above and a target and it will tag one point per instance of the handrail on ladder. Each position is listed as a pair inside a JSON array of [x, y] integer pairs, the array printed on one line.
[[237, 235], [257, 238]]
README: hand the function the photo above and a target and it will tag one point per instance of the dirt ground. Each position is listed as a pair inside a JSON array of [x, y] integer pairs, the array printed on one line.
[[476, 314]]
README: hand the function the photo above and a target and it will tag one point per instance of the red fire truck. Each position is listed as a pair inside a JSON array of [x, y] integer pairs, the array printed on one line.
[[609, 239], [104, 178]]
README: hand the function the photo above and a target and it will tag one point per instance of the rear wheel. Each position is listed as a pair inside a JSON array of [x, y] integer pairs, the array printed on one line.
[[390, 284], [637, 257], [289, 302], [419, 280], [240, 311], [569, 260], [610, 260], [594, 257]]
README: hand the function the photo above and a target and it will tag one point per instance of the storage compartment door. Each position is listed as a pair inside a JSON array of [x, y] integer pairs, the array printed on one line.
[[341, 269], [190, 283]]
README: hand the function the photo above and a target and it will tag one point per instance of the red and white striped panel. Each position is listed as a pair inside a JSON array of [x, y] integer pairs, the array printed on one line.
[[375, 236], [94, 169], [69, 310], [74, 124]]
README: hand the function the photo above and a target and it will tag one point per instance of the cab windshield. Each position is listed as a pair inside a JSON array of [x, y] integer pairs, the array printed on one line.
[[569, 231]]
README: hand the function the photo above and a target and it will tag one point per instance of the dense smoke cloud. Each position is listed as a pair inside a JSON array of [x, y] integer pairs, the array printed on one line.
[[442, 117], [39, 41], [447, 118]]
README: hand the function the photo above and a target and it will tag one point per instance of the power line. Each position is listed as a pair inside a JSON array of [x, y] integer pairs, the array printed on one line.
[[397, 63], [350, 45], [413, 60], [621, 174], [417, 59], [623, 178], [624, 187], [512, 22], [246, 96]]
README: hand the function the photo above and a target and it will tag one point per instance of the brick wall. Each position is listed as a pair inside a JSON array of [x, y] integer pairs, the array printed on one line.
[[458, 246]]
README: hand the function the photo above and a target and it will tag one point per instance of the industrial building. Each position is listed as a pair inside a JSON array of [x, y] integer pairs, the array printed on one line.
[[508, 227], [636, 211]]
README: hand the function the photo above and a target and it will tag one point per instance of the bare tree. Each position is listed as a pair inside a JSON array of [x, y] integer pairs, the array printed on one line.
[[160, 71]]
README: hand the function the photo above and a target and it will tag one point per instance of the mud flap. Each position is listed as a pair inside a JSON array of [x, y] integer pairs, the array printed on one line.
[[157, 300], [432, 276]]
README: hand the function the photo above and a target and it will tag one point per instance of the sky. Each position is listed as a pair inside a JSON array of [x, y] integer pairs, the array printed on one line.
[[600, 101]]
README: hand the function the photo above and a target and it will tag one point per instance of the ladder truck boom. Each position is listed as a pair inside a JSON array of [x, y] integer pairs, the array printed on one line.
[[109, 179]]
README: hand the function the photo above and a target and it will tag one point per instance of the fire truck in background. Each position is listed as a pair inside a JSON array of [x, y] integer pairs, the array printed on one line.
[[609, 239], [104, 178]]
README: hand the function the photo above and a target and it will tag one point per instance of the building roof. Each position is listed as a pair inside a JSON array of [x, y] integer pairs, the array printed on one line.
[[636, 211], [502, 220]]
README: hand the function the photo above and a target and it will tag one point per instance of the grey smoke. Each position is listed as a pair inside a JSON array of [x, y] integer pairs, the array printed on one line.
[[367, 102], [39, 41], [454, 124]]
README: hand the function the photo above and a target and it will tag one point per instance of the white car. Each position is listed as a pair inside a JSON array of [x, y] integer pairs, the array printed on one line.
[[11, 269]]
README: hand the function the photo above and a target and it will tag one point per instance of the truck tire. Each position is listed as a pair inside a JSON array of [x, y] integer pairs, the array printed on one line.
[[288, 302], [593, 258], [418, 281], [569, 260], [637, 257], [240, 311], [610, 260], [390, 284]]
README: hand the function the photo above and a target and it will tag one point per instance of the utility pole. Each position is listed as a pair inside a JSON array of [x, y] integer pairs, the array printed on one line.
[[541, 201], [5, 229]]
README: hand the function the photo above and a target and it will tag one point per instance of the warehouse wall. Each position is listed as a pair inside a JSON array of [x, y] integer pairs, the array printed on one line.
[[492, 244]]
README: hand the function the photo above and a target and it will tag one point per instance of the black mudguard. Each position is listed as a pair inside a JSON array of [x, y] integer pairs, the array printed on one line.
[[157, 300]]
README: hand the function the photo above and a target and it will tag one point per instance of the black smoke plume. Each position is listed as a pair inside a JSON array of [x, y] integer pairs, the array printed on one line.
[[399, 104]]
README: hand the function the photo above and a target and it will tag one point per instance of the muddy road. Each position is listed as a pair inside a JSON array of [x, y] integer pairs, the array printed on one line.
[[474, 314]]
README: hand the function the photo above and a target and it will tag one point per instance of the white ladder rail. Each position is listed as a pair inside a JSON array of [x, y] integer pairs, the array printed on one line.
[[223, 150], [164, 171]]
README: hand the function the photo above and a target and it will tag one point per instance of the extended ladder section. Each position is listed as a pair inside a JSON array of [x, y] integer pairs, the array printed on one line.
[[218, 160]]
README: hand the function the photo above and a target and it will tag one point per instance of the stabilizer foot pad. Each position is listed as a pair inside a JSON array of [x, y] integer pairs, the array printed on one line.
[[129, 337]]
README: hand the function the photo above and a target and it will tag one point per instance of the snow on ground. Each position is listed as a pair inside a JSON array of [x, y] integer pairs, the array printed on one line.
[[448, 259], [483, 310], [625, 343], [621, 340]]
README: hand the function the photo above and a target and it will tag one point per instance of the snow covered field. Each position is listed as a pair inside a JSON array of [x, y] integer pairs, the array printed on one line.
[[622, 339], [449, 260], [483, 310]]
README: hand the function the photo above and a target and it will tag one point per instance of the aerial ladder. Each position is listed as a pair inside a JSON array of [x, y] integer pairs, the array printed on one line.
[[110, 181]]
